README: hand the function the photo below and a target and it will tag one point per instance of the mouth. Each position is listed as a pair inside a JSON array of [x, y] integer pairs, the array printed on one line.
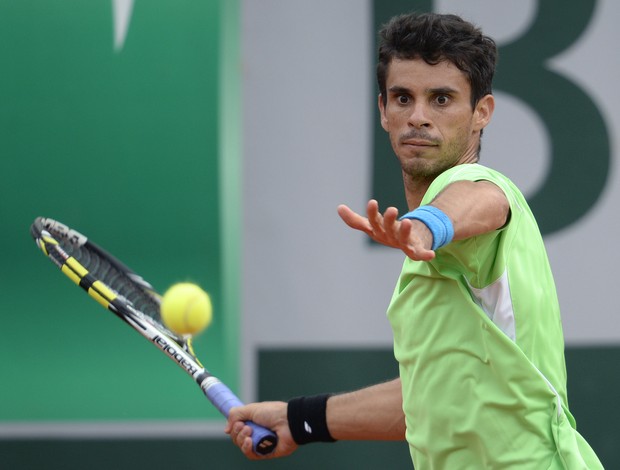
[[419, 143], [418, 139]]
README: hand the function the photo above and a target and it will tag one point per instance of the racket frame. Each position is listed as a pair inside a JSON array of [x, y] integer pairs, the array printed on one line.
[[264, 440]]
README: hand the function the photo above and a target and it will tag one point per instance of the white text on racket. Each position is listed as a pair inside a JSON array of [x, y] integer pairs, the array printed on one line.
[[176, 354]]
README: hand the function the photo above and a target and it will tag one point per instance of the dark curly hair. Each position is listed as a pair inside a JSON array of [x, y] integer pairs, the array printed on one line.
[[433, 38]]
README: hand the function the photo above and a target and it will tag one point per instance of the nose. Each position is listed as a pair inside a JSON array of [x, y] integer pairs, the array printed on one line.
[[419, 116]]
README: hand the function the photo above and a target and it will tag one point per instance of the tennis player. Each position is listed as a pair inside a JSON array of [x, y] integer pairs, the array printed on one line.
[[475, 315]]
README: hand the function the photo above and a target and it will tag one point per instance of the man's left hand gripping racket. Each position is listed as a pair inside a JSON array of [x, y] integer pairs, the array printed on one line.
[[134, 301]]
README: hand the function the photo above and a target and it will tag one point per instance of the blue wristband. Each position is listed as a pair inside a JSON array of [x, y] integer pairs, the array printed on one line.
[[437, 222]]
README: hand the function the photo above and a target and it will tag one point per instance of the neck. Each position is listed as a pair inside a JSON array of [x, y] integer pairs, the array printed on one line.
[[415, 188]]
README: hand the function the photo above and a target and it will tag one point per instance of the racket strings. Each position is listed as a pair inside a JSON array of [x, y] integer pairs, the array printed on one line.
[[116, 280]]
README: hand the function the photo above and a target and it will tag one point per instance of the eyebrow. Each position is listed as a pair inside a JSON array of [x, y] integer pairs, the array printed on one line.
[[431, 91], [443, 91]]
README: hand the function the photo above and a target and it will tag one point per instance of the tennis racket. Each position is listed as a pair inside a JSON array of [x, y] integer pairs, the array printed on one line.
[[134, 301]]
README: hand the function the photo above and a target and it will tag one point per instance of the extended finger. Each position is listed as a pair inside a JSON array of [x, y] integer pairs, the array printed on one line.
[[391, 224], [353, 219], [404, 232], [375, 218]]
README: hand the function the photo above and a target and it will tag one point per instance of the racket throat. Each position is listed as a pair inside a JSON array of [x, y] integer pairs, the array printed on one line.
[[176, 353]]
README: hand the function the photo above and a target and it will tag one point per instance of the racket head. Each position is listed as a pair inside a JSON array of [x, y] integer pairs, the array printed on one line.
[[128, 291]]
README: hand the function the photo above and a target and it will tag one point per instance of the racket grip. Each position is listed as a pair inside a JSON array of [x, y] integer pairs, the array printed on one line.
[[264, 440]]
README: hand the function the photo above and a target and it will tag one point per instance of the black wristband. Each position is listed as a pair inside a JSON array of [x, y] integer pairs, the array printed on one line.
[[307, 419]]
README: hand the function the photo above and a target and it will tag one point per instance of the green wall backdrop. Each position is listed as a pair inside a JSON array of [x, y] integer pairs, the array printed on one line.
[[119, 141]]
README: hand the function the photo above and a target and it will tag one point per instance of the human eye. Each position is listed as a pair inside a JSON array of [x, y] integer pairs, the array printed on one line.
[[403, 99], [442, 100]]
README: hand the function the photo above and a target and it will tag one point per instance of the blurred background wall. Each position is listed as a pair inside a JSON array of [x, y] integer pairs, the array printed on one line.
[[213, 141]]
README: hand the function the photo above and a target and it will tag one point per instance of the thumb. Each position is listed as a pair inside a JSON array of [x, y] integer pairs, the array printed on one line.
[[239, 413]]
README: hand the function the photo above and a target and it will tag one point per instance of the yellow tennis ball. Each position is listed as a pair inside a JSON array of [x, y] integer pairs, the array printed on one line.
[[186, 308]]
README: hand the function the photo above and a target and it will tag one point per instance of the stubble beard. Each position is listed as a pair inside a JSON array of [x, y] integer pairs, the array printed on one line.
[[420, 169], [425, 169]]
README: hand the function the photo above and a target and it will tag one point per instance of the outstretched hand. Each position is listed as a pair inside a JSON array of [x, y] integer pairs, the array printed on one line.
[[410, 236]]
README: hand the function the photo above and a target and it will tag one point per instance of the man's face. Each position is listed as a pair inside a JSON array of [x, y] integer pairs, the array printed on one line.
[[428, 115]]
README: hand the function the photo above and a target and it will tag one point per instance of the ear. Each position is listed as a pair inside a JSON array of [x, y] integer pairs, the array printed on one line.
[[483, 112], [384, 120]]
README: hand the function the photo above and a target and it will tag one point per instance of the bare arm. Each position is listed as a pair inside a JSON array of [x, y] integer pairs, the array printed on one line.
[[473, 207], [372, 413]]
